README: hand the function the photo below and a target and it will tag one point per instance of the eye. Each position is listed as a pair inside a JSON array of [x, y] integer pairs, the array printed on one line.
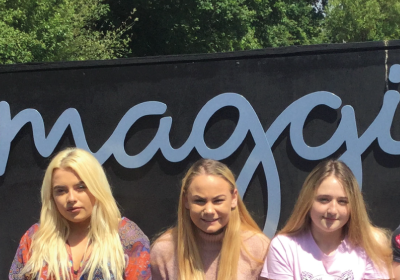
[[199, 201], [81, 187], [323, 200], [59, 191], [219, 201], [343, 201]]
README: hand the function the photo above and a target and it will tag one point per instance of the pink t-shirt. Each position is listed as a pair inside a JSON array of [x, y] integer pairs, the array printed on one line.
[[299, 258]]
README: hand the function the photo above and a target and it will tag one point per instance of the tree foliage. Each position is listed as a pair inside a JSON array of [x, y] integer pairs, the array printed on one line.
[[362, 20], [54, 30], [201, 26], [285, 23]]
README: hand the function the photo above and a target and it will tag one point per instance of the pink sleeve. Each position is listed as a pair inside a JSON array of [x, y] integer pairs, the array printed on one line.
[[373, 273], [277, 264], [158, 263], [163, 259]]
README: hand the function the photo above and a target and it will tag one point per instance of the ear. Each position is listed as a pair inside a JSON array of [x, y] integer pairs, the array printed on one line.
[[185, 201], [234, 199]]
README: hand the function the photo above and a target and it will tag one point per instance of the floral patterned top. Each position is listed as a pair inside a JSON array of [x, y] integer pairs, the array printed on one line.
[[135, 245]]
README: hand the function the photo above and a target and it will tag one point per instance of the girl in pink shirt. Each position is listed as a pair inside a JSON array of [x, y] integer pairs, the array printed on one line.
[[329, 234], [215, 237]]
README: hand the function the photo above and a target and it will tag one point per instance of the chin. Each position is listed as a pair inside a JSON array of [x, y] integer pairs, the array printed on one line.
[[209, 230], [333, 229]]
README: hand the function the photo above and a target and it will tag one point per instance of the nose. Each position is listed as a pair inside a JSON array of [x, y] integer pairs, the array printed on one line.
[[332, 209], [208, 208], [71, 197]]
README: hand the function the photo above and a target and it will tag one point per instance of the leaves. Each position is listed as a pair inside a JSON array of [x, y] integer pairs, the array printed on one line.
[[201, 26], [55, 30], [288, 23], [362, 20]]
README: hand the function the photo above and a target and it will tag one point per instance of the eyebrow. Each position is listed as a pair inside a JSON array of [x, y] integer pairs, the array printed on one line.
[[327, 195], [218, 196], [63, 186]]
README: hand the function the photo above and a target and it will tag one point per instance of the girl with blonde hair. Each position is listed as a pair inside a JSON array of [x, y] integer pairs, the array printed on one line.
[[81, 234], [215, 236], [329, 234]]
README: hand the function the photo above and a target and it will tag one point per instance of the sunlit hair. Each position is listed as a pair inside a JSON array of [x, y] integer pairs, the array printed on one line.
[[48, 244], [190, 266], [359, 229]]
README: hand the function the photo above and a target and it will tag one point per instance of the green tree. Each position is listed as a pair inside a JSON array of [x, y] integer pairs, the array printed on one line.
[[362, 20], [57, 30], [202, 26], [285, 22]]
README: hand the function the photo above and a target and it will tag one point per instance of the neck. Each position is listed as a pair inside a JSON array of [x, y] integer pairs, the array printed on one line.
[[327, 242], [207, 239], [79, 229], [214, 233]]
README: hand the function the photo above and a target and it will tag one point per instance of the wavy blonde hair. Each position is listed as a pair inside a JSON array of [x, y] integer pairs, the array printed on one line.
[[190, 266], [359, 229], [48, 243]]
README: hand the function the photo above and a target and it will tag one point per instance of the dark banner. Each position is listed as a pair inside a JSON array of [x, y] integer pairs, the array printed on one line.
[[270, 115]]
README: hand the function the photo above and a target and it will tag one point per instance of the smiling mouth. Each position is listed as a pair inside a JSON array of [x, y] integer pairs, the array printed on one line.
[[330, 219], [209, 221]]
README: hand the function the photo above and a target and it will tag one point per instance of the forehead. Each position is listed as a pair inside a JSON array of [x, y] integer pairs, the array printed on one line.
[[64, 175], [331, 186], [209, 185]]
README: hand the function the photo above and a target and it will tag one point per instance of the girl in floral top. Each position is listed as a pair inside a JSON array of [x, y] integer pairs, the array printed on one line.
[[81, 234]]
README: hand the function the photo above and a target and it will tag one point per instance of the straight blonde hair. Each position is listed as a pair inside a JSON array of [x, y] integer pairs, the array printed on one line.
[[359, 229], [48, 243], [190, 266]]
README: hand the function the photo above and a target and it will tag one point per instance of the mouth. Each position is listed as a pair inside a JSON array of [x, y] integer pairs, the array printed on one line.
[[74, 209], [210, 221], [330, 219]]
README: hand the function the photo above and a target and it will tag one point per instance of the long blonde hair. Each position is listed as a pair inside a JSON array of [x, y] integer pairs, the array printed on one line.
[[48, 243], [359, 229], [190, 266]]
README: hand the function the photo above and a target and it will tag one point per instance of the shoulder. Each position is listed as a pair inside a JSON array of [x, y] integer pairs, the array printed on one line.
[[136, 249], [255, 239], [284, 250], [289, 242], [27, 237], [287, 239], [255, 243], [130, 233], [163, 257], [22, 255], [164, 245], [31, 231]]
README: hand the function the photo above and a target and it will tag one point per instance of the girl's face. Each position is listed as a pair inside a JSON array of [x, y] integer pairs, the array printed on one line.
[[330, 210], [73, 199], [210, 201]]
